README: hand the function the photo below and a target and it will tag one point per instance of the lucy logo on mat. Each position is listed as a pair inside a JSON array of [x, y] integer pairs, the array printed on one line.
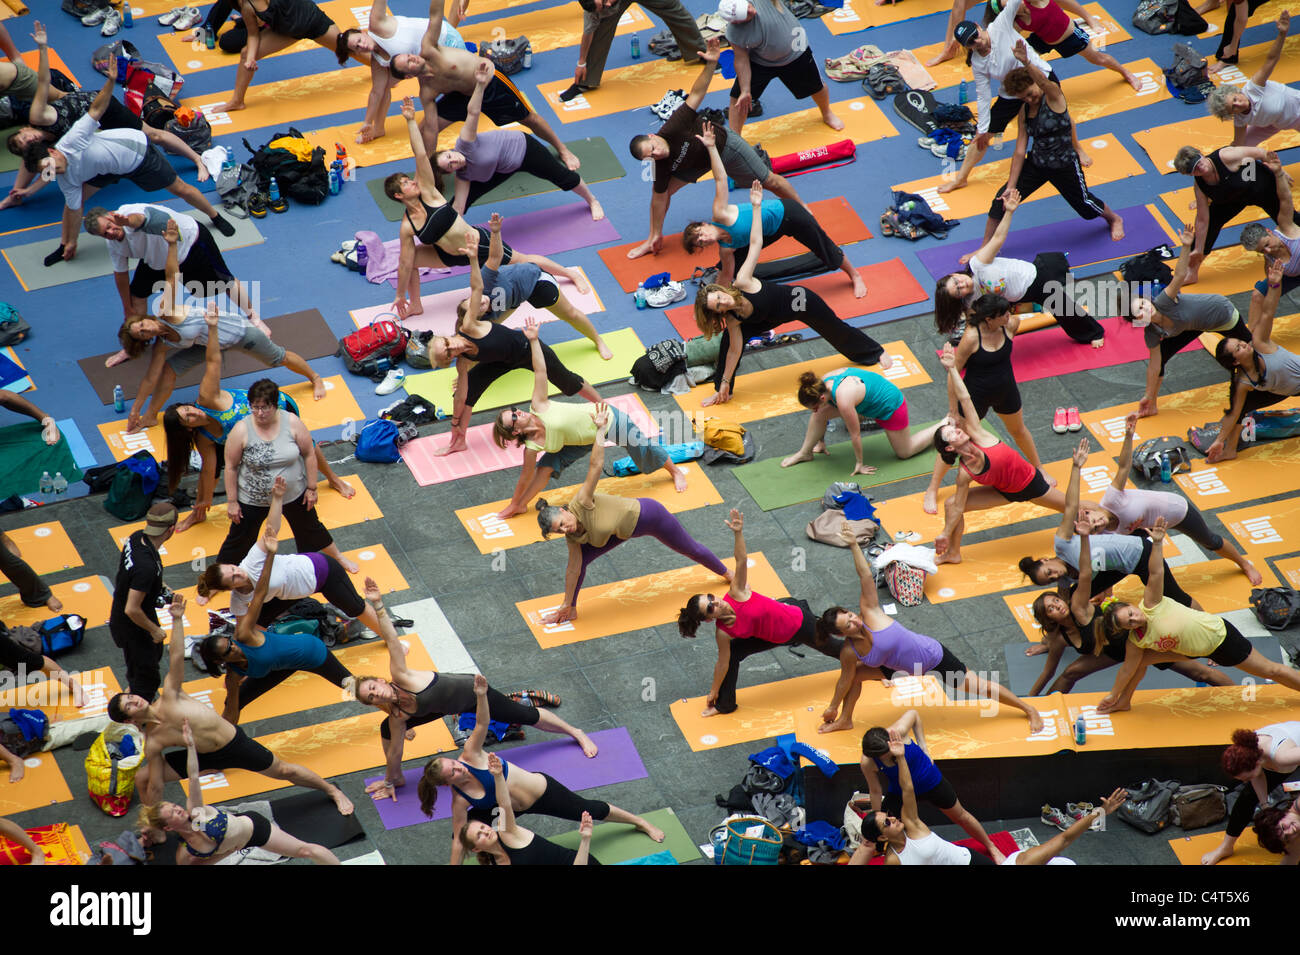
[[1049, 731], [1097, 725], [574, 105], [1096, 477], [1208, 482], [845, 14], [1114, 428], [493, 528], [1261, 531], [213, 117], [540, 615], [213, 781], [1149, 84], [933, 199]]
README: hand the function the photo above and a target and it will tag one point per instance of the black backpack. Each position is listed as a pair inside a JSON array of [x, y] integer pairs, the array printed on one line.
[[307, 182], [1147, 807], [1276, 607], [1148, 266], [661, 363]]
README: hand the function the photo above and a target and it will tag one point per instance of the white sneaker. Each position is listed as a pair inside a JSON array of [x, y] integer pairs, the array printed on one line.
[[168, 18], [392, 381], [95, 17], [112, 23], [665, 295], [189, 18]]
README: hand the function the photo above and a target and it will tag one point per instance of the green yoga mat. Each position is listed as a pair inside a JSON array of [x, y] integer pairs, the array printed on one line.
[[516, 387], [8, 161], [24, 455], [613, 842], [599, 164]]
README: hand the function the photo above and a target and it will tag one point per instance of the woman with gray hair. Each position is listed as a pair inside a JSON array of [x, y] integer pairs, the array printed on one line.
[[594, 524], [1262, 107]]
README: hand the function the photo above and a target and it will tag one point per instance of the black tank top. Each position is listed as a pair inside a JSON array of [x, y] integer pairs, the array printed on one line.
[[989, 368], [505, 346], [544, 852], [437, 222], [1233, 186], [773, 305], [1115, 641], [1053, 145]]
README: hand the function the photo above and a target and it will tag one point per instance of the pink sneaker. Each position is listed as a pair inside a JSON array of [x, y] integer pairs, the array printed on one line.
[[1060, 423], [1072, 419]]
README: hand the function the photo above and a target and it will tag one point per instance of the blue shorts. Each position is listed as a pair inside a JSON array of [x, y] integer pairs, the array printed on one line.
[[1289, 282]]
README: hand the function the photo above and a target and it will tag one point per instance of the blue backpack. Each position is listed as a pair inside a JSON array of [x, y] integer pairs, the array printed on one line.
[[61, 633], [379, 441]]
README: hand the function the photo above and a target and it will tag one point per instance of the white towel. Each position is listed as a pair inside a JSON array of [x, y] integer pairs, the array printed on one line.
[[213, 160]]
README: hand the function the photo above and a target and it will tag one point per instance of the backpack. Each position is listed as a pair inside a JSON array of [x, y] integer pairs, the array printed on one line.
[[830, 500], [237, 185], [13, 329], [379, 440], [417, 349], [1189, 67], [192, 128], [362, 349], [298, 169], [326, 621], [1155, 16], [1195, 807], [661, 363], [1148, 266], [24, 732], [509, 56], [157, 109], [134, 482], [883, 79], [1148, 456], [725, 436], [677, 453], [62, 633], [25, 637], [1276, 607], [1147, 807]]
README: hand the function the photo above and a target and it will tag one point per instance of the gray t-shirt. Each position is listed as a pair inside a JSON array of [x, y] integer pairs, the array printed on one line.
[[493, 151], [772, 36], [1204, 313], [1120, 552]]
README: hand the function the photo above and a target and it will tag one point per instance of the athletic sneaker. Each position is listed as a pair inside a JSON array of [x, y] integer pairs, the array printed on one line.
[[188, 19], [668, 104], [665, 295], [392, 381], [1060, 423], [112, 23], [168, 18], [1072, 419], [1077, 810], [95, 17], [1054, 817]]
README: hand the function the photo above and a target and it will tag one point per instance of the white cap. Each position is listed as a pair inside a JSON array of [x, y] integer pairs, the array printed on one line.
[[734, 11]]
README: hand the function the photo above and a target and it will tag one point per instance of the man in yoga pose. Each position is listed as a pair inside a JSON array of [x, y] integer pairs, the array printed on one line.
[[599, 22]]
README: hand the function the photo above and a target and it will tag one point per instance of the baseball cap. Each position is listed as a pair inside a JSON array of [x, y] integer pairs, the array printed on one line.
[[160, 519], [965, 32], [734, 11]]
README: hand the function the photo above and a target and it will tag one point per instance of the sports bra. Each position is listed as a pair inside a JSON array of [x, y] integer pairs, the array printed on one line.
[[215, 829], [236, 413], [437, 222], [1004, 469], [489, 798]]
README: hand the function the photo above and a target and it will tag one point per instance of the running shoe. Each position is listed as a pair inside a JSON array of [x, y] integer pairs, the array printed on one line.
[[277, 205], [668, 104], [112, 23], [1060, 423], [392, 381], [257, 205], [1052, 816], [1072, 419], [187, 20], [95, 17], [665, 295], [1077, 810], [168, 18]]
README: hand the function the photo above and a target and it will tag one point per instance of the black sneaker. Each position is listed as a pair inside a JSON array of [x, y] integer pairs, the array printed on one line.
[[223, 226]]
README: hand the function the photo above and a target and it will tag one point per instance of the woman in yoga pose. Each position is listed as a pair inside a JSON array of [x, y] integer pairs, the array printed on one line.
[[1278, 831], [747, 622], [594, 524], [209, 835], [1263, 107], [852, 394], [442, 232], [749, 308], [412, 698], [511, 843], [475, 794], [1262, 759], [1161, 631]]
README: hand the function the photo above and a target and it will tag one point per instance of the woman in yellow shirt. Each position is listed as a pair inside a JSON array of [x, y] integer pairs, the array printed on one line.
[[1162, 631]]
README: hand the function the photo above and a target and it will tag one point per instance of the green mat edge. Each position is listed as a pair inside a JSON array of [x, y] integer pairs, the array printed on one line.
[[613, 833]]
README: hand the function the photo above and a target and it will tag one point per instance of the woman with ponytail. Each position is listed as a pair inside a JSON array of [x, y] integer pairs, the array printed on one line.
[[1278, 831], [474, 791], [1262, 759]]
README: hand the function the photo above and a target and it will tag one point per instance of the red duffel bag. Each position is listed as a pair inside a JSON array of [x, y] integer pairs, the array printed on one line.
[[829, 156]]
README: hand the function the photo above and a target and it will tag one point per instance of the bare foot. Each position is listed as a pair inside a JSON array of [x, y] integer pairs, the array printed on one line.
[[201, 600], [837, 726], [1117, 229], [930, 501], [1099, 342], [1035, 721], [351, 566], [886, 362], [1035, 649], [346, 490], [820, 448], [679, 479], [603, 349], [369, 133], [709, 711], [343, 802], [654, 832], [1193, 276], [833, 121], [54, 603], [457, 444], [1134, 82], [794, 459], [16, 770], [1252, 574], [947, 556], [1084, 159], [1051, 481], [415, 308], [965, 258], [230, 107], [570, 161], [1104, 708], [597, 211], [579, 280], [410, 735], [859, 286], [318, 388], [117, 359], [588, 747]]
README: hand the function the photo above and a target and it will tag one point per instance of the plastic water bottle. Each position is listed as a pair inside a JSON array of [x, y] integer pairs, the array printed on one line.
[[210, 38], [60, 483], [1166, 469], [1080, 730], [636, 46], [907, 206], [47, 483], [274, 190], [119, 399], [336, 180], [340, 154], [997, 142], [639, 297], [962, 96], [128, 18], [528, 58]]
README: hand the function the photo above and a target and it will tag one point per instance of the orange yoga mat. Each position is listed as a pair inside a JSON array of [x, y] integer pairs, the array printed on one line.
[[1266, 530], [841, 223], [771, 392], [61, 843], [32, 59], [46, 547], [1182, 202], [204, 540], [1227, 270], [1219, 586], [331, 749], [1105, 93], [394, 146], [858, 15], [864, 122], [1289, 570], [42, 785], [189, 56], [626, 88], [1247, 851], [639, 602], [55, 699], [1204, 132], [551, 28], [1110, 162], [1021, 607], [89, 596], [1179, 411], [306, 691], [1256, 472], [1286, 332], [491, 534], [988, 567]]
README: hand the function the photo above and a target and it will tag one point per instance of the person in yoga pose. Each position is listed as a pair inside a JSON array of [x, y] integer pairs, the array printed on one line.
[[594, 524], [1021, 283], [1263, 107], [1262, 759], [23, 663], [1004, 474], [1234, 27], [484, 160], [219, 743], [1051, 24], [731, 226], [529, 792], [748, 308], [747, 622], [1162, 630], [442, 232], [601, 20], [209, 835], [1278, 831], [510, 843], [852, 394], [561, 432], [876, 646], [412, 698], [927, 781]]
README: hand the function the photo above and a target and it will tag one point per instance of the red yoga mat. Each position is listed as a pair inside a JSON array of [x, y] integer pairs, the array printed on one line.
[[841, 223], [1051, 352], [1006, 845], [889, 285]]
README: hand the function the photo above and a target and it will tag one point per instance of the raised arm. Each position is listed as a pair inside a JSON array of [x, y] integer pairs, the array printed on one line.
[[210, 386], [541, 384], [957, 389], [1068, 516], [868, 595], [496, 250], [586, 495], [41, 112], [248, 622], [1155, 589], [176, 647], [990, 249], [170, 305], [584, 840], [482, 717], [1261, 330], [99, 106], [708, 65], [275, 512], [482, 77], [423, 171], [1188, 238], [910, 722], [1274, 51], [746, 271], [721, 195], [396, 652], [193, 798], [911, 819], [506, 819], [740, 578], [1081, 600], [1125, 463]]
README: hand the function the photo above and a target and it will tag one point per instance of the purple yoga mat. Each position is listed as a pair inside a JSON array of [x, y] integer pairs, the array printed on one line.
[[562, 759], [546, 232], [1087, 242]]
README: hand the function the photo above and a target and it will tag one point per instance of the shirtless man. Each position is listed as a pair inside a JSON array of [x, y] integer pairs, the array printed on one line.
[[220, 744], [447, 76]]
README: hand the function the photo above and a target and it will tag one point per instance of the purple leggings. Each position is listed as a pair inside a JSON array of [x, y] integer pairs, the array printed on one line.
[[656, 522]]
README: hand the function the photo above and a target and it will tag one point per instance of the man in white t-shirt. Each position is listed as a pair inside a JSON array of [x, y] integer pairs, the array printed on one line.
[[1262, 107]]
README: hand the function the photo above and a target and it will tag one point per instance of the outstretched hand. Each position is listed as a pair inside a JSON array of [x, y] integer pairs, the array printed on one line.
[[1114, 800], [896, 746], [408, 108], [735, 520], [531, 328], [1157, 531], [1081, 453], [371, 590], [600, 415], [706, 136], [1011, 200], [38, 33], [948, 358]]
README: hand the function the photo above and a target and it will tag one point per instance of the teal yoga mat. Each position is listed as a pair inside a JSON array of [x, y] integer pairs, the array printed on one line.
[[8, 161], [24, 455], [599, 164]]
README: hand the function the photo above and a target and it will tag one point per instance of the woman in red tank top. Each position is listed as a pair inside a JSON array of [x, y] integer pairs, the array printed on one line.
[[1002, 472]]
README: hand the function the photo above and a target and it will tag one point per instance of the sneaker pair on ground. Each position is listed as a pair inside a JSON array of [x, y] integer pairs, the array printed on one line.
[[181, 18], [1066, 419], [1074, 811], [107, 19]]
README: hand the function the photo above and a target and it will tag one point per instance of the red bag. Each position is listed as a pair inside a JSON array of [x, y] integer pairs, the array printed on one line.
[[829, 156], [362, 349]]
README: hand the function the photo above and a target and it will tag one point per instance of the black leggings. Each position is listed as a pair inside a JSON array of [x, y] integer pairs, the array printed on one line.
[[1109, 578], [748, 646], [798, 223], [32, 591], [1230, 25], [1223, 211], [254, 686], [455, 694], [309, 534], [1171, 346], [1194, 526], [559, 802], [337, 589], [482, 375], [538, 161], [1052, 269], [1068, 180]]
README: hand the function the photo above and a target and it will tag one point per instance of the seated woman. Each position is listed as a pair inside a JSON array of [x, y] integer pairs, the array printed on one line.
[[1163, 631], [180, 333], [594, 524], [1263, 107], [561, 433], [1262, 759], [877, 646], [747, 622], [442, 232], [510, 843], [1278, 831], [1021, 283], [1005, 475], [780, 217], [412, 698], [481, 161], [927, 782], [852, 394], [749, 308], [203, 426], [1124, 510], [529, 792], [209, 835]]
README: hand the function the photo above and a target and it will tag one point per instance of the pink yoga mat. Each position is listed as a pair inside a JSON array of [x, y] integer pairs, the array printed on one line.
[[483, 455], [1050, 352], [440, 310]]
